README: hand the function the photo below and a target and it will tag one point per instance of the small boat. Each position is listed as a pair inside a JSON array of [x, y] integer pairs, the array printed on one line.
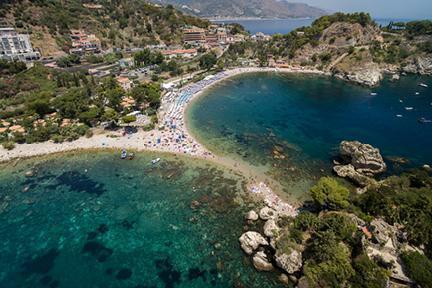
[[123, 154], [399, 115], [423, 85], [424, 120], [401, 101], [417, 93], [409, 108], [373, 94], [155, 161]]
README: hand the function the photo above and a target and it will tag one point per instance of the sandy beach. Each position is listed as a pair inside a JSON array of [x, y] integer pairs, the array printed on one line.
[[173, 138]]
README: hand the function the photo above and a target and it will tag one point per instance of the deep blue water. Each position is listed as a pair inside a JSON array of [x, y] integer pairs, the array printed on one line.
[[91, 220], [284, 26], [307, 116]]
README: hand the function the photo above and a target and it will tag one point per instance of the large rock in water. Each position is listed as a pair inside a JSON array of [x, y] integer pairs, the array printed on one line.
[[250, 241], [261, 262], [363, 157], [291, 262]]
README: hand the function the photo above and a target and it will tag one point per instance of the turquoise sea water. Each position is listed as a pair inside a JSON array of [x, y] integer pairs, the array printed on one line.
[[306, 117], [92, 220]]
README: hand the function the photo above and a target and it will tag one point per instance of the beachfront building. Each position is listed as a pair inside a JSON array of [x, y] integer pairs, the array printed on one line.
[[183, 53], [14, 46], [194, 36], [83, 43]]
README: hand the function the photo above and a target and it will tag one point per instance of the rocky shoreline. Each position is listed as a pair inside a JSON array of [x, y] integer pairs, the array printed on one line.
[[267, 238]]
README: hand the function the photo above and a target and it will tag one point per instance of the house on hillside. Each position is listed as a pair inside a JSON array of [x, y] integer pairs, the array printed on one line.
[[125, 83], [83, 43]]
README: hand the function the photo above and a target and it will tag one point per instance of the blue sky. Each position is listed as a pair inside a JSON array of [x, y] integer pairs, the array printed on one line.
[[416, 9]]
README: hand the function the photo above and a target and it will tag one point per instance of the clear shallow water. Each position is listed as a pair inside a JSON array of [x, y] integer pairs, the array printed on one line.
[[259, 117], [91, 220]]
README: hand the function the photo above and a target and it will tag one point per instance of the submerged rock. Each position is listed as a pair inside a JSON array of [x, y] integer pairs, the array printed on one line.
[[267, 213], [251, 216], [395, 77], [261, 262], [29, 173], [271, 229], [365, 158], [291, 262], [250, 241], [283, 278]]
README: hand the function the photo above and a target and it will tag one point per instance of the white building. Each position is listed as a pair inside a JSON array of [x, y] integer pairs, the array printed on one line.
[[14, 46], [188, 53]]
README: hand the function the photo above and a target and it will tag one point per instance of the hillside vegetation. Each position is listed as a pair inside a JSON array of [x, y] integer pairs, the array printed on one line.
[[119, 23]]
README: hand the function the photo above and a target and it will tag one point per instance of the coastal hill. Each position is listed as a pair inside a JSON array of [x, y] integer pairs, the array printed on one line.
[[245, 8], [120, 23], [349, 46]]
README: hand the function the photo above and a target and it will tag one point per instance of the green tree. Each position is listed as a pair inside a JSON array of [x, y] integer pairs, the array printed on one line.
[[368, 274], [143, 58], [71, 104], [40, 106], [207, 61], [419, 268], [329, 264], [330, 194], [341, 225], [90, 117]]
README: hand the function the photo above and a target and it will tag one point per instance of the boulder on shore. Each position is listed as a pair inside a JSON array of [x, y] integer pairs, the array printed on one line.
[[261, 262], [251, 240], [291, 262], [267, 213], [364, 158], [251, 216], [271, 229]]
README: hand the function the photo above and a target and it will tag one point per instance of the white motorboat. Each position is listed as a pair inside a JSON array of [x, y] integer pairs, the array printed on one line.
[[155, 161]]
